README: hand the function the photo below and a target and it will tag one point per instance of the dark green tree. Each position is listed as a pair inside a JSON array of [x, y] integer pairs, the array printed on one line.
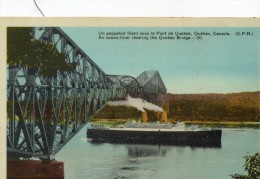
[[23, 50], [252, 166]]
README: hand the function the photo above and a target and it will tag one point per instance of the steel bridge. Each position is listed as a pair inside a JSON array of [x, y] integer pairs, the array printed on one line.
[[44, 113]]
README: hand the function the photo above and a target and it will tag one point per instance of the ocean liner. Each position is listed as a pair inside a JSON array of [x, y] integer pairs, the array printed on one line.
[[161, 132]]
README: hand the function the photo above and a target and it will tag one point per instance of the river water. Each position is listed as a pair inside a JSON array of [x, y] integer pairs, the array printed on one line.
[[83, 159]]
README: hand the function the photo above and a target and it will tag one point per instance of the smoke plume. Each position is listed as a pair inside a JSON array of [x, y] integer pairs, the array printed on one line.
[[138, 103]]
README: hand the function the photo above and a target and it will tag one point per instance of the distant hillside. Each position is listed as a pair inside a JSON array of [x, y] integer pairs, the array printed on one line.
[[123, 112], [118, 112], [244, 106]]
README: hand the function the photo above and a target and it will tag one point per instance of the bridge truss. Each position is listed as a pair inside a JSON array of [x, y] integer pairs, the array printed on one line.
[[44, 113], [152, 85]]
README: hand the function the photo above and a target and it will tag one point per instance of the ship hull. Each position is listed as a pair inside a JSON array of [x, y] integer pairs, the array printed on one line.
[[207, 138]]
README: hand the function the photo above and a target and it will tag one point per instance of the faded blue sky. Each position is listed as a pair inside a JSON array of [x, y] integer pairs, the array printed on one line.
[[217, 64]]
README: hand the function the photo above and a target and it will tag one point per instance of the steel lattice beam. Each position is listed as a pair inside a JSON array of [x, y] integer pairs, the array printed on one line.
[[45, 113], [127, 85]]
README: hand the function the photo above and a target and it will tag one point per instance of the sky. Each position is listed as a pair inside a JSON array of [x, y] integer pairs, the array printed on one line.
[[215, 64]]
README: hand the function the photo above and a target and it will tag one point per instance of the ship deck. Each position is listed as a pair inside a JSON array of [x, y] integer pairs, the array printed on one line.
[[155, 129]]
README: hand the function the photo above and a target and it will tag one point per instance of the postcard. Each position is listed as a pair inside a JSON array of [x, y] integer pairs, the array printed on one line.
[[130, 97]]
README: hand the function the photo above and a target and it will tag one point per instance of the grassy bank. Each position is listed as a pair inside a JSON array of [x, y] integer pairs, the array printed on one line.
[[109, 122], [226, 124]]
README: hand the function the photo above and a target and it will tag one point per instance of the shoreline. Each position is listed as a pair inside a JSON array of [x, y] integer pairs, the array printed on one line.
[[229, 124], [222, 122], [226, 124]]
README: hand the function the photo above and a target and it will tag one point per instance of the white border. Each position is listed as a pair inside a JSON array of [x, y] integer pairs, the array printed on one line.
[[131, 8]]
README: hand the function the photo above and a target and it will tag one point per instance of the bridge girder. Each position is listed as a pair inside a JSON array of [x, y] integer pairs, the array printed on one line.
[[44, 113]]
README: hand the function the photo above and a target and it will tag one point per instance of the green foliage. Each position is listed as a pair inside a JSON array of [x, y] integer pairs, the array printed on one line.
[[34, 54], [252, 166]]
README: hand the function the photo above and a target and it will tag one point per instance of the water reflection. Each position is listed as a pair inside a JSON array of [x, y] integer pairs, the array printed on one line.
[[145, 161], [147, 150], [192, 145], [139, 158], [156, 150]]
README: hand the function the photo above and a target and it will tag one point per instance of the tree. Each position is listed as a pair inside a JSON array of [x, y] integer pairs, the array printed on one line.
[[23, 50], [252, 166]]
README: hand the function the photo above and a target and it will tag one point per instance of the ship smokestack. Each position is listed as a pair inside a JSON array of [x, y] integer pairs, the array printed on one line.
[[144, 116], [164, 117]]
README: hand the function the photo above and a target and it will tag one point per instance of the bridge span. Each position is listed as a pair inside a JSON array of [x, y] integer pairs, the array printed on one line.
[[44, 113]]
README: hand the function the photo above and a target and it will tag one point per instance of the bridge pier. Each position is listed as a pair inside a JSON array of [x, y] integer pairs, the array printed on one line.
[[27, 169]]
